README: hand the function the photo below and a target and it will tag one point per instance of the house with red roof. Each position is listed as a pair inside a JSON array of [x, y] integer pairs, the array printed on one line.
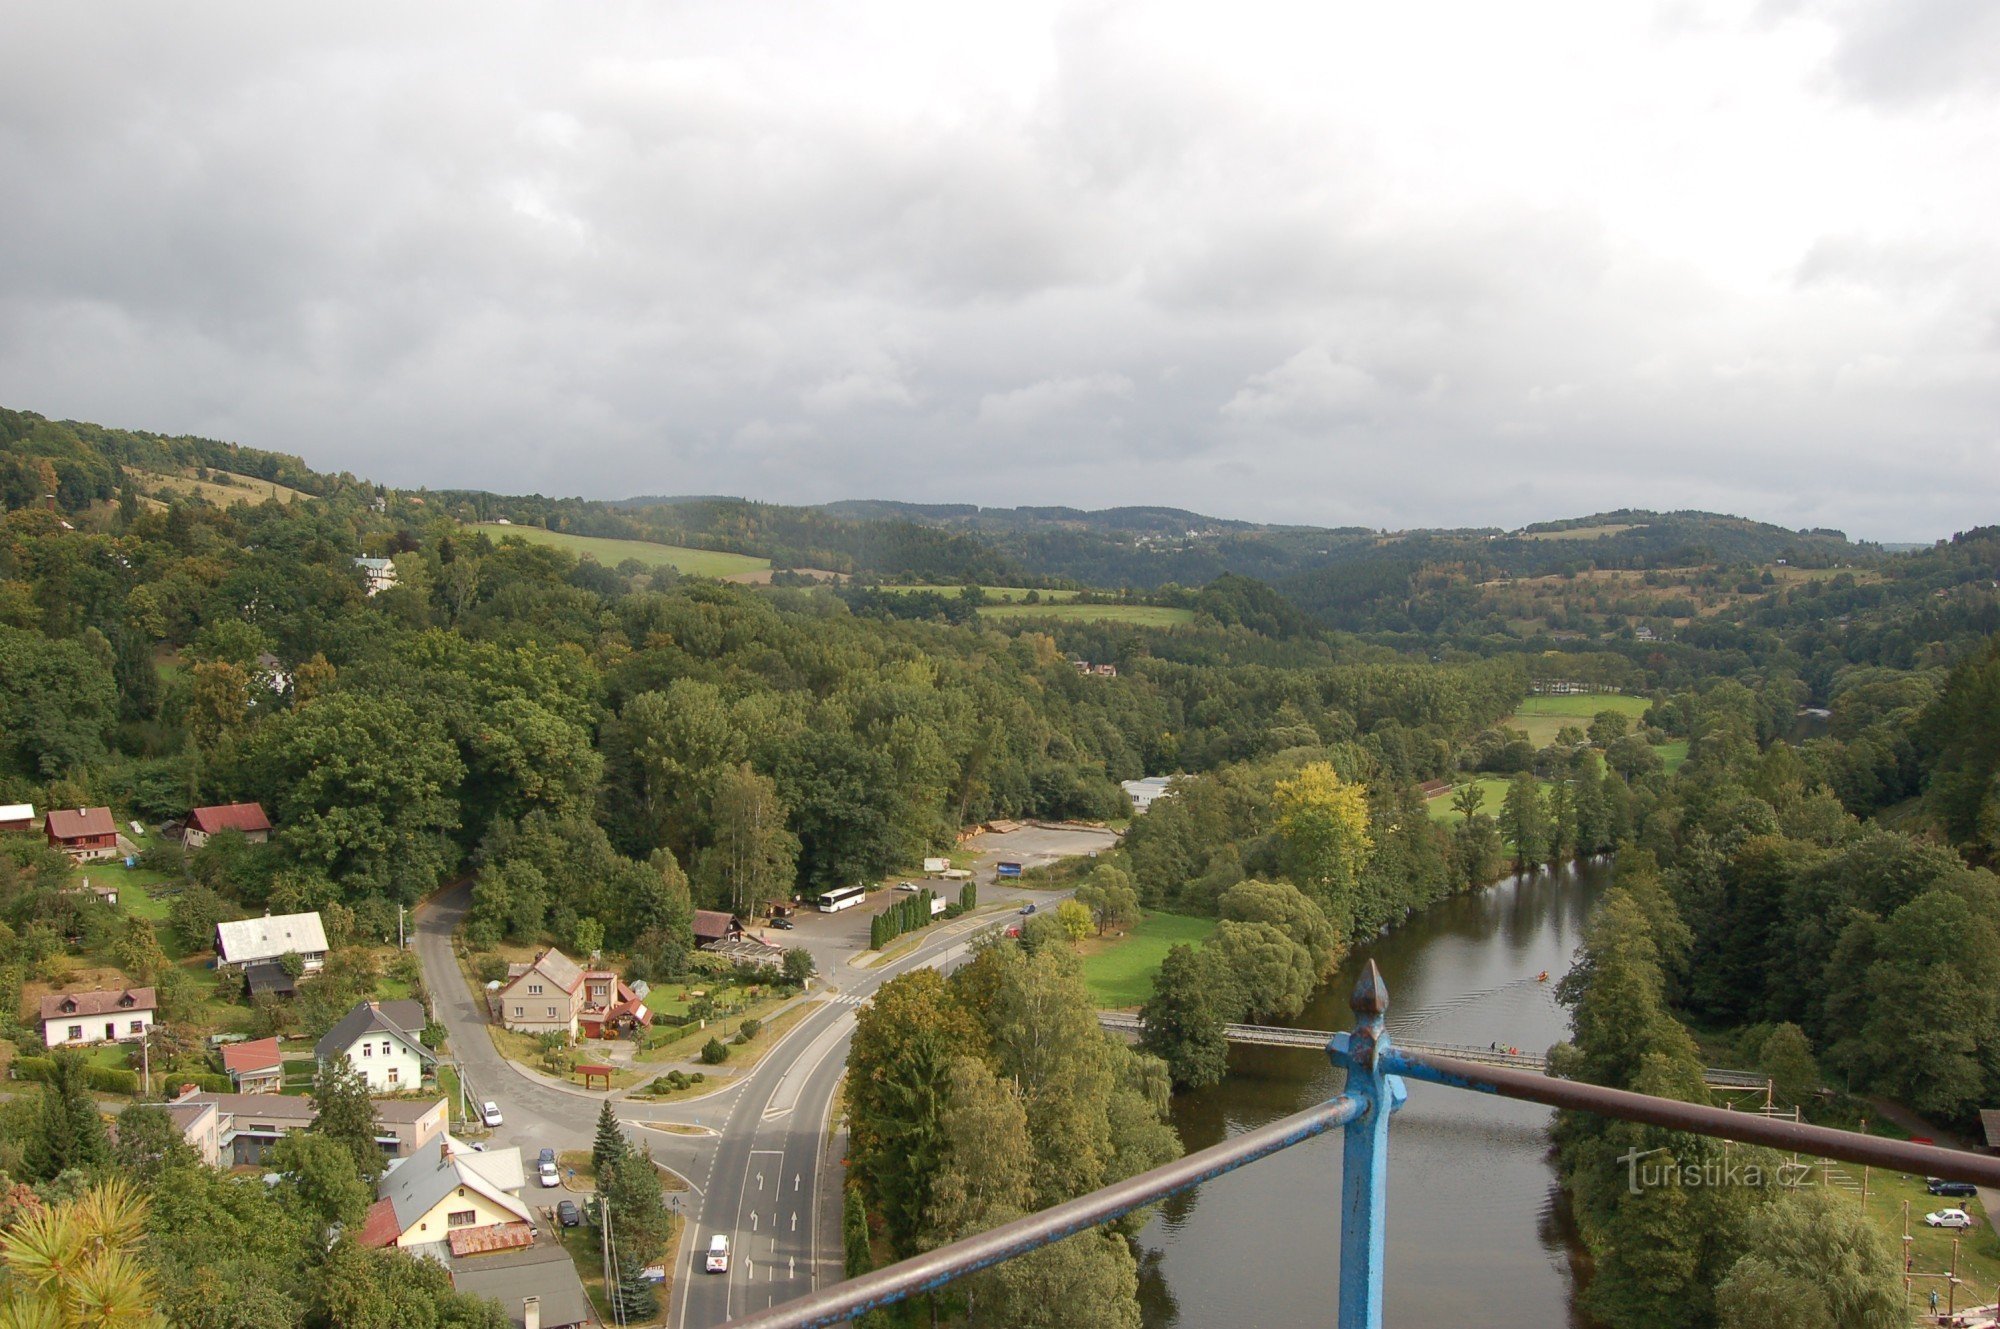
[[98, 1016], [255, 1066], [85, 834], [248, 818]]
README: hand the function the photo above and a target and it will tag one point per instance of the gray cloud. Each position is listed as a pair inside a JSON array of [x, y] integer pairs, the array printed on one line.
[[1301, 265]]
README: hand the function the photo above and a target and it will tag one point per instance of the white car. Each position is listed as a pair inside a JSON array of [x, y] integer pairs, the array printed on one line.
[[1948, 1218], [489, 1112], [718, 1254], [548, 1175]]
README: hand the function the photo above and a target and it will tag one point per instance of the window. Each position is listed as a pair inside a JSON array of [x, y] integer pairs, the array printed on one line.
[[76, 1031], [385, 1047], [394, 1075], [138, 1026], [517, 1011], [552, 1012], [367, 1049], [534, 989], [462, 1218]]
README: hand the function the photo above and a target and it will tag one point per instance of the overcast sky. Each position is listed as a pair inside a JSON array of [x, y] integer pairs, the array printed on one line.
[[1418, 263]]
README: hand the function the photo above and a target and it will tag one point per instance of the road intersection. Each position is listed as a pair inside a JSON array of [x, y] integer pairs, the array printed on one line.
[[758, 1155]]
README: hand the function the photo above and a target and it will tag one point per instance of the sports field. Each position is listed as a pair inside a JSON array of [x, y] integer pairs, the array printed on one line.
[[693, 562], [1144, 616], [1120, 970], [1543, 716]]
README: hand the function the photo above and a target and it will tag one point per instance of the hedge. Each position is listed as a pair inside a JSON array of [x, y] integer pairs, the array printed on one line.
[[104, 1079]]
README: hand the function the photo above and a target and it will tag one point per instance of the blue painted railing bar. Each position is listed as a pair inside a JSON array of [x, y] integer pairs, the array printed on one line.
[[933, 1269], [1376, 1068]]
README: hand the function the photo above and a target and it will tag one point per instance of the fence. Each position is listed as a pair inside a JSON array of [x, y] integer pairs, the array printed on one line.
[[1376, 1069]]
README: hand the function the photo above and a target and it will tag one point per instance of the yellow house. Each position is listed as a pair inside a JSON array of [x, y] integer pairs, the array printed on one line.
[[428, 1196]]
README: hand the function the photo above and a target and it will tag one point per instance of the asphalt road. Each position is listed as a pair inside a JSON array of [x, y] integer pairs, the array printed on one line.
[[762, 1166]]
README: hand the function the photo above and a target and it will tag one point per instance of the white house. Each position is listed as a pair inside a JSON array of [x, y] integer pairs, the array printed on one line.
[[379, 1039], [250, 940], [378, 573], [99, 1016]]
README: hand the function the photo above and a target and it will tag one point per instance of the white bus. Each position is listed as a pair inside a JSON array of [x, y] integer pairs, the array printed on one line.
[[834, 901]]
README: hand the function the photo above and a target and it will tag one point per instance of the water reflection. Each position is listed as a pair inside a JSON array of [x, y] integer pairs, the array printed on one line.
[[1477, 1230]]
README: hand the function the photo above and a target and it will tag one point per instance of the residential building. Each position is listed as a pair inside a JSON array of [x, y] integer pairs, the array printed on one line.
[[75, 1019], [535, 1282], [267, 978], [1144, 793], [554, 994], [17, 816], [200, 1124], [712, 926], [85, 834], [380, 1040], [239, 1130], [428, 1196], [248, 940], [247, 818], [410, 1123], [272, 672], [255, 1067], [378, 574]]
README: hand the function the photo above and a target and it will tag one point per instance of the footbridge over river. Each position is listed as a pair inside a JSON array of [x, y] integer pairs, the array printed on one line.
[[1266, 1035]]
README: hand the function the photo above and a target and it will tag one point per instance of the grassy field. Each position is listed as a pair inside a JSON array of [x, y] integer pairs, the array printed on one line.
[[1495, 786], [1120, 970], [1007, 594], [1581, 532], [1543, 716], [1673, 754], [694, 562], [1144, 616], [237, 488]]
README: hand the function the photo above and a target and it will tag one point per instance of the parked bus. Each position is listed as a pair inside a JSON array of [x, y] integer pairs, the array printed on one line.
[[835, 901]]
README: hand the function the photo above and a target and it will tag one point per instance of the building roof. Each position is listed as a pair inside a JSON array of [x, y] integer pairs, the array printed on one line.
[[488, 1240], [404, 1111], [293, 1110], [257, 1055], [17, 811], [556, 967], [186, 1116], [379, 1228], [73, 823], [244, 817], [98, 1001], [1989, 1120], [375, 564], [542, 1270], [269, 977], [414, 1186], [402, 1018], [713, 924], [270, 937]]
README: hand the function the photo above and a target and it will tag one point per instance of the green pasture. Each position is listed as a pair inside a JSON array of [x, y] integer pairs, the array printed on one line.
[[1495, 787], [1005, 594], [1542, 717], [1120, 970], [609, 552], [1581, 532], [1143, 616]]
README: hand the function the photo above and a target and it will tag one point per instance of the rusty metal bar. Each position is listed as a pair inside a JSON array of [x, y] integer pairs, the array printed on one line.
[[1743, 1127], [933, 1269]]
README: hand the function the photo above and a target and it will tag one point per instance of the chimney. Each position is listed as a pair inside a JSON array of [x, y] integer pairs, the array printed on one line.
[[444, 1152], [531, 1313]]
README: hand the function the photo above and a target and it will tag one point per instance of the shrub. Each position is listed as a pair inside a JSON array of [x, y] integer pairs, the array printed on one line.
[[34, 1068], [111, 1080], [490, 969], [715, 1052], [752, 1027]]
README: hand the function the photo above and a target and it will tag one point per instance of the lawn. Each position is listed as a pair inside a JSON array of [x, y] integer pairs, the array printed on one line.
[[1673, 754], [1143, 616], [1495, 786], [609, 552], [1120, 970], [1005, 594], [1581, 532], [1543, 716], [236, 489]]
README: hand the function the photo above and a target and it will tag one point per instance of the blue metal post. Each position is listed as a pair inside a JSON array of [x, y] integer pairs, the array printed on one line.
[[1365, 1162]]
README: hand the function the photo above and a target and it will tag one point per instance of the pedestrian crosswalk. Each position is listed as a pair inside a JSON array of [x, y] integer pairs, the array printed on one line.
[[848, 999]]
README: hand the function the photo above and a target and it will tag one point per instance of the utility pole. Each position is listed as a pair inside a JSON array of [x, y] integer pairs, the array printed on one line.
[[401, 944], [610, 1275], [146, 1056]]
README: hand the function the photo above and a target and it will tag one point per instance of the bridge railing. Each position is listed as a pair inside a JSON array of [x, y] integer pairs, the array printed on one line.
[[1376, 1069]]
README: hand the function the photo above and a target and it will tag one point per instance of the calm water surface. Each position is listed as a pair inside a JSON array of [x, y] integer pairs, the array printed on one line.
[[1474, 1231]]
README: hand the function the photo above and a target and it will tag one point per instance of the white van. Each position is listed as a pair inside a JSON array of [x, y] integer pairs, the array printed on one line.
[[718, 1254]]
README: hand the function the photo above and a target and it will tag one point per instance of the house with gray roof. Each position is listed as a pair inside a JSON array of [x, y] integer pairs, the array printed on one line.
[[380, 1040], [247, 941], [452, 1188]]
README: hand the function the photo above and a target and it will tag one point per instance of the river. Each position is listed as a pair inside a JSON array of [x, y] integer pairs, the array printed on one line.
[[1474, 1233]]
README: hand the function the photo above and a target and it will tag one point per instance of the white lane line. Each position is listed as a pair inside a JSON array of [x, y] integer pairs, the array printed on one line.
[[786, 1097]]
